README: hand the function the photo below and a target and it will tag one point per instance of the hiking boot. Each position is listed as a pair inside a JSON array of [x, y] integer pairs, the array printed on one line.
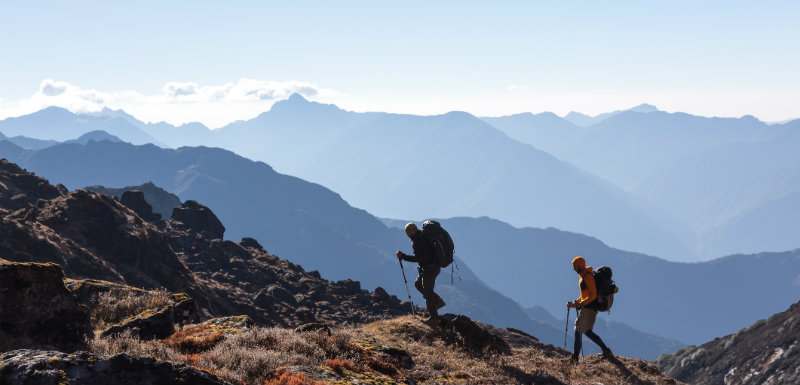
[[607, 353], [573, 360], [439, 303]]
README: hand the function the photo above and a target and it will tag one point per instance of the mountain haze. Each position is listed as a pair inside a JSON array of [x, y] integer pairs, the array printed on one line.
[[461, 165], [721, 178]]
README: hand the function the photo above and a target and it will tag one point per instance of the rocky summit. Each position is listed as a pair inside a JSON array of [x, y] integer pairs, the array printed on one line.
[[767, 352]]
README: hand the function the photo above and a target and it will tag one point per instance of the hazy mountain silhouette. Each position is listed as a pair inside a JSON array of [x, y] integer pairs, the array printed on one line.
[[722, 177], [58, 124], [741, 197], [461, 164], [670, 299], [583, 120], [97, 135], [189, 134], [28, 143], [545, 131]]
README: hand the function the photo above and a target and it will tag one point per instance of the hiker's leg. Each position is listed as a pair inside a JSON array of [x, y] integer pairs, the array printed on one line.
[[432, 274], [427, 282], [576, 348], [418, 282], [594, 337]]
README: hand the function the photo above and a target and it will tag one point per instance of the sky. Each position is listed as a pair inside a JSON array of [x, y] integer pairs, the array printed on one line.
[[217, 62]]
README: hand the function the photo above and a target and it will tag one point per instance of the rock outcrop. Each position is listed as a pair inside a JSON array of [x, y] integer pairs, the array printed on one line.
[[161, 201], [37, 310], [134, 199], [199, 218], [768, 352], [41, 367], [20, 189], [127, 245]]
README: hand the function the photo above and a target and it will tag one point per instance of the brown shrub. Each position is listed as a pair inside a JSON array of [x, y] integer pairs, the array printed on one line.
[[194, 339], [290, 378], [338, 365]]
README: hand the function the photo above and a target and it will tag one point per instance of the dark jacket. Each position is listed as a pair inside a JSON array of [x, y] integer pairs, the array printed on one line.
[[423, 251]]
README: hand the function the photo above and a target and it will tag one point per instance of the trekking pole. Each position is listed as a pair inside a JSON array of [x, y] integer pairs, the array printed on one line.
[[566, 326], [407, 291]]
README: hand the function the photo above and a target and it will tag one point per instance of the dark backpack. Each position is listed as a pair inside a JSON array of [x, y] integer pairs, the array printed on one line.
[[605, 288], [440, 240]]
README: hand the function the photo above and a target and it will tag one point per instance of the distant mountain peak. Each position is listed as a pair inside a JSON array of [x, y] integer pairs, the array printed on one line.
[[644, 108], [297, 102], [297, 98]]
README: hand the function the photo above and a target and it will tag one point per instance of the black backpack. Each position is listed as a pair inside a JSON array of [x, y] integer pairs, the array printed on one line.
[[440, 240], [606, 288]]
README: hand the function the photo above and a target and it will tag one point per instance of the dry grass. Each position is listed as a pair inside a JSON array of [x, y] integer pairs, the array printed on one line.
[[263, 356], [127, 343], [113, 306]]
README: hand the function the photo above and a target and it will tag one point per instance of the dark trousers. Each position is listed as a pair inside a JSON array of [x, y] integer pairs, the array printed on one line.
[[592, 336], [425, 283]]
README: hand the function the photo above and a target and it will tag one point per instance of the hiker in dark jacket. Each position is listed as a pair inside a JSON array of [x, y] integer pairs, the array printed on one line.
[[428, 269], [586, 306]]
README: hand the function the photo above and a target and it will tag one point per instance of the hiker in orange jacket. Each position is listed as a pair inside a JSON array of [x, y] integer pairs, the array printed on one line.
[[586, 306]]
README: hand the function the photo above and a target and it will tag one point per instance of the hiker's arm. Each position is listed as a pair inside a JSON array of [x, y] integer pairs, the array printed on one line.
[[591, 287], [406, 257]]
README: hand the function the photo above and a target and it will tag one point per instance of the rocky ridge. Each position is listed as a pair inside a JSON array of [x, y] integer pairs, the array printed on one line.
[[767, 352], [94, 236]]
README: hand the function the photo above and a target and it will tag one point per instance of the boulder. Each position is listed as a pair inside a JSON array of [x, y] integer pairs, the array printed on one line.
[[198, 218], [463, 331], [37, 310]]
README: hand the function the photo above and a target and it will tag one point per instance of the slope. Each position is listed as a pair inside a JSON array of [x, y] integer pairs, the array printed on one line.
[[767, 352]]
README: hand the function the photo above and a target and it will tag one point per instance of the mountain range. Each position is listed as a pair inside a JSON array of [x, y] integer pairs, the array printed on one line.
[[458, 163], [732, 182]]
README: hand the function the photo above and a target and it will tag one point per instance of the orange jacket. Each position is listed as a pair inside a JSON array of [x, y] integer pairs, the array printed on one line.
[[588, 287]]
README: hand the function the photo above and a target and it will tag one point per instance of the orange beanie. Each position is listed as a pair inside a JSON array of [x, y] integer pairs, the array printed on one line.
[[579, 261]]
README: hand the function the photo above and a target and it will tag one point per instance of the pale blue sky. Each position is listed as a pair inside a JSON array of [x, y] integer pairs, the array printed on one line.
[[489, 58]]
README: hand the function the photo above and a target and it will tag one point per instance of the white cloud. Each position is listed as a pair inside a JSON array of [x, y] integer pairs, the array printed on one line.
[[177, 103], [515, 87]]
